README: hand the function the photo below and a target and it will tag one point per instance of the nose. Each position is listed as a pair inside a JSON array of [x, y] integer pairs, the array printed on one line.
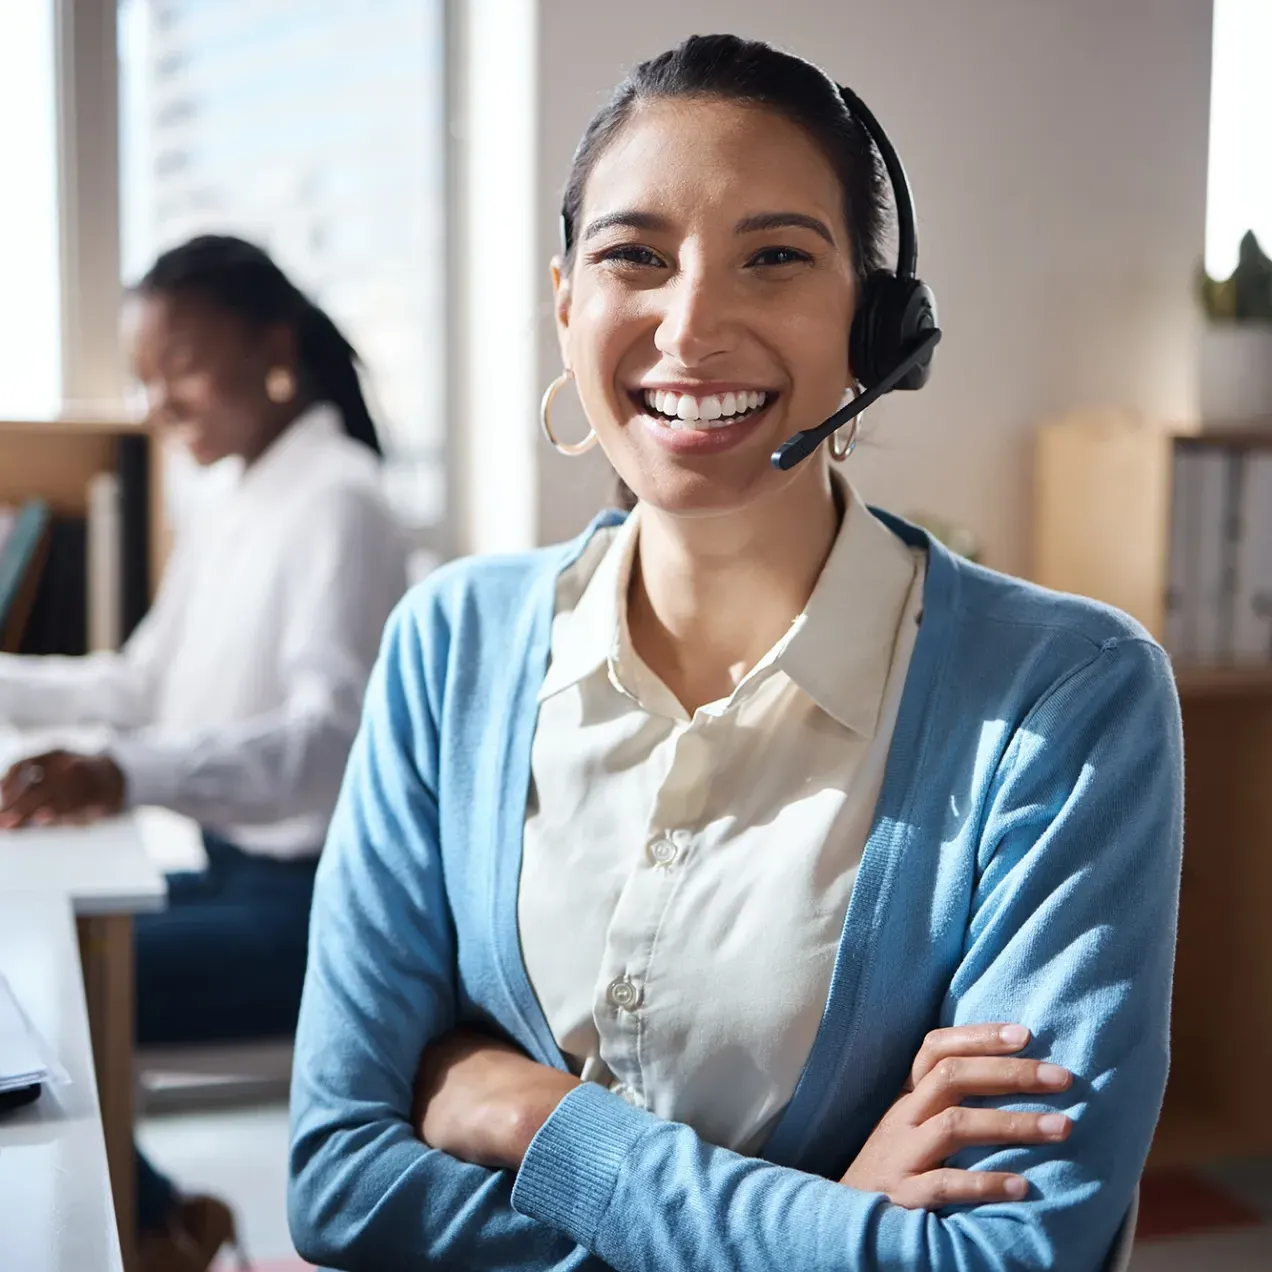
[[698, 322]]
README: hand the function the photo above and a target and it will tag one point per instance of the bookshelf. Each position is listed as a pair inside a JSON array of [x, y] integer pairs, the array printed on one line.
[[54, 459], [1102, 528]]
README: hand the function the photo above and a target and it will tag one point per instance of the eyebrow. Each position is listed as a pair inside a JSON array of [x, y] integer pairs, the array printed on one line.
[[785, 221], [629, 219], [632, 219]]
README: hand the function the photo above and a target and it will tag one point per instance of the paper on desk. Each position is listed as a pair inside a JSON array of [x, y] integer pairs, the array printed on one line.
[[25, 1058]]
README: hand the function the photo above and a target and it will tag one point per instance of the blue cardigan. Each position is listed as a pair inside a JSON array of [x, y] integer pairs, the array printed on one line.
[[1023, 865]]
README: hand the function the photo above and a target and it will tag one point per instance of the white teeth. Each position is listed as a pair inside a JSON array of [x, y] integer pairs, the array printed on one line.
[[680, 410]]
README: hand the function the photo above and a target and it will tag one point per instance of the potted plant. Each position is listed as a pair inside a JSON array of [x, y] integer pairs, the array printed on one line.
[[1235, 382]]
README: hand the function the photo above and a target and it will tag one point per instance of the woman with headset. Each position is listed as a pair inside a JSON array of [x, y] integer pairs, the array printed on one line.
[[749, 883], [237, 699]]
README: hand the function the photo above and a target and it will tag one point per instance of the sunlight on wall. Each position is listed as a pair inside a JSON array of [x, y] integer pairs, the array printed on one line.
[[1239, 193], [30, 301]]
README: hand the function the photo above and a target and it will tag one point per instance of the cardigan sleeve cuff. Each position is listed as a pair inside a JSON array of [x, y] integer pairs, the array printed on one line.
[[572, 1165]]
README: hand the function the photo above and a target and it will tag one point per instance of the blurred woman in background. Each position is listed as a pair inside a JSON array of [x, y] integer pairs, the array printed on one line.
[[236, 700]]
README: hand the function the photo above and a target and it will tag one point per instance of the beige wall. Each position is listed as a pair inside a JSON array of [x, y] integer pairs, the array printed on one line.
[[1058, 154]]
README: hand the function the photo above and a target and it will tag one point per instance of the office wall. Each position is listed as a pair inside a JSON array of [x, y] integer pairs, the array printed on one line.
[[1058, 154]]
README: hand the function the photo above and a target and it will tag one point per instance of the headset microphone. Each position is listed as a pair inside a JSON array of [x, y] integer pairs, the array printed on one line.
[[802, 444], [894, 331]]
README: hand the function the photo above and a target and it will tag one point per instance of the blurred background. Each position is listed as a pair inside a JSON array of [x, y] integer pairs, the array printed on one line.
[[1073, 164], [1085, 172]]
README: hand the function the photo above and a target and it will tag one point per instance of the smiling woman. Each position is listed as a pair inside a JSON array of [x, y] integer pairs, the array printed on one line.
[[649, 932], [700, 298]]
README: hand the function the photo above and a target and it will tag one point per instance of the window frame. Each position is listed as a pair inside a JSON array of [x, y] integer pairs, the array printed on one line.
[[89, 200]]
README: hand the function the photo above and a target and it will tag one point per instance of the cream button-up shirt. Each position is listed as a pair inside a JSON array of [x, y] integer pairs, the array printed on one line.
[[685, 879]]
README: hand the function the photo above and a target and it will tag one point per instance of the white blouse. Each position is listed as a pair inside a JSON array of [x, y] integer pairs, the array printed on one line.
[[237, 699], [685, 879]]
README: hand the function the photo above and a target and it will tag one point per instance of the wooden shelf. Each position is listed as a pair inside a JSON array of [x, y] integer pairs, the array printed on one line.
[[1256, 435], [1229, 681], [55, 458]]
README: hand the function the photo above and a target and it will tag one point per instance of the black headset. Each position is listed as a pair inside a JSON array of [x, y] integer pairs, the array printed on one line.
[[894, 331]]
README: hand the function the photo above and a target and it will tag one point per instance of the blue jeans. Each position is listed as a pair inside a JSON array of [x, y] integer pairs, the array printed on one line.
[[225, 962]]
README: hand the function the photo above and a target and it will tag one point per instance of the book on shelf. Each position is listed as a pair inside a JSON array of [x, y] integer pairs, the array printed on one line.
[[103, 567], [23, 546], [94, 585], [132, 467]]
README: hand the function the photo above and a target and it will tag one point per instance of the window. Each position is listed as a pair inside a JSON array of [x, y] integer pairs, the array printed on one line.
[[30, 318], [319, 131], [1239, 190]]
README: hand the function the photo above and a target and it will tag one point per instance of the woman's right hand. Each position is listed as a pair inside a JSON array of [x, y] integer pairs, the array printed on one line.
[[905, 1155]]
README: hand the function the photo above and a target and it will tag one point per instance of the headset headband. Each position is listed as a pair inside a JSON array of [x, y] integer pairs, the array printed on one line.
[[903, 197]]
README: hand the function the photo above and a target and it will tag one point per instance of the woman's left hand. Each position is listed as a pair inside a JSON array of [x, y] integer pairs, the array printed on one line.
[[60, 786], [482, 1100]]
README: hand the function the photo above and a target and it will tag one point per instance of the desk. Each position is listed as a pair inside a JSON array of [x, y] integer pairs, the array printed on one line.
[[56, 1212], [104, 874]]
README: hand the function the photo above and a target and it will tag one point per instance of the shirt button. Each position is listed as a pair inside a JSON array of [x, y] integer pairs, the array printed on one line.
[[663, 852], [622, 994]]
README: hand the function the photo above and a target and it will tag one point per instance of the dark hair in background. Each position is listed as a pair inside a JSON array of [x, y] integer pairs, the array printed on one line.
[[755, 73], [242, 278]]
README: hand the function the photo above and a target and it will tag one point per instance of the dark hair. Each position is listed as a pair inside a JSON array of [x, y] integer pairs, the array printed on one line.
[[751, 72], [242, 278]]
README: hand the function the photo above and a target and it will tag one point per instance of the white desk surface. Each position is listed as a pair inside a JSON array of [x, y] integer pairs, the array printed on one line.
[[56, 1209], [103, 868]]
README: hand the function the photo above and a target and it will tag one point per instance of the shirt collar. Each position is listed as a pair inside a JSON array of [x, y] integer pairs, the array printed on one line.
[[588, 636], [313, 429], [838, 650]]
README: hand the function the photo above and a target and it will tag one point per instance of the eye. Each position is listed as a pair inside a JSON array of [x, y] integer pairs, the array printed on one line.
[[630, 254], [780, 256]]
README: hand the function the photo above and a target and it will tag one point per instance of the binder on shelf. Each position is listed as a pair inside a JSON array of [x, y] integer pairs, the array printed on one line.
[[1230, 532], [1252, 618], [1211, 549], [1180, 634]]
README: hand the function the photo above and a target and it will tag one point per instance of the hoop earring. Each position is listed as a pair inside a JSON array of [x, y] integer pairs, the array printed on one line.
[[280, 385], [842, 444], [545, 420]]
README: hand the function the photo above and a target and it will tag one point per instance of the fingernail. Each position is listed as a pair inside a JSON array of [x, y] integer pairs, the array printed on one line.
[[1014, 1035], [1052, 1075], [1053, 1123], [1016, 1187]]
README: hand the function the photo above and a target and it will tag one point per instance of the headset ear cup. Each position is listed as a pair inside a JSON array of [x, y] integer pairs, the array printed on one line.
[[892, 313], [863, 342]]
